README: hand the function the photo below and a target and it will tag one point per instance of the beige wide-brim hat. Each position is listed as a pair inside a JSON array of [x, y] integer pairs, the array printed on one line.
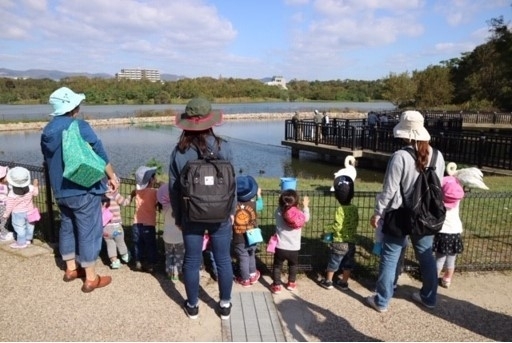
[[411, 126]]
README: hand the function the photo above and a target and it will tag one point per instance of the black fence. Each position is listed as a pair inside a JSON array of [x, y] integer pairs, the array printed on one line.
[[486, 216], [483, 149]]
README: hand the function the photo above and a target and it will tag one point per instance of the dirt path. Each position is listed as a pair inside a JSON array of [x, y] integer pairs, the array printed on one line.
[[37, 305]]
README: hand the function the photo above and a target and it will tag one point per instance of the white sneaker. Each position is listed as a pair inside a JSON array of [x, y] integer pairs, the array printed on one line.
[[9, 236]]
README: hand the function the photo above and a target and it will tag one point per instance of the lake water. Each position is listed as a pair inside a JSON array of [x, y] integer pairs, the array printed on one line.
[[24, 112], [256, 147]]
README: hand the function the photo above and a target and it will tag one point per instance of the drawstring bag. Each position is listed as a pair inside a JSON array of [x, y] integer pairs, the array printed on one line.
[[253, 236], [206, 240], [272, 243], [33, 215], [81, 164]]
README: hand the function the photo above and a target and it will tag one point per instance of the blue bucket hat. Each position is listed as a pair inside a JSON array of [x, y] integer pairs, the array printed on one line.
[[65, 100], [246, 188]]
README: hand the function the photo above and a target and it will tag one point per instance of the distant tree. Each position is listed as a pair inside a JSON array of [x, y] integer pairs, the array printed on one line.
[[433, 87], [399, 89]]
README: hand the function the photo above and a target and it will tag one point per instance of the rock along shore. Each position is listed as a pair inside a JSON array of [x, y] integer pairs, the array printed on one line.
[[31, 126]]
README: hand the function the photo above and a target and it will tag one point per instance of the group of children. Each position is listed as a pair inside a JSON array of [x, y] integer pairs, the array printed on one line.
[[16, 201]]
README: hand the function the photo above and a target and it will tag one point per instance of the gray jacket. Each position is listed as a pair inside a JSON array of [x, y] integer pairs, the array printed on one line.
[[401, 170]]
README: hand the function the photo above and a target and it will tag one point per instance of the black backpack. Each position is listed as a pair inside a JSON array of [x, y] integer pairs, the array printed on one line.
[[208, 189], [426, 210]]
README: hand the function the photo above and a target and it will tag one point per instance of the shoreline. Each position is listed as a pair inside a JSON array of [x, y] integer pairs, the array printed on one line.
[[36, 126]]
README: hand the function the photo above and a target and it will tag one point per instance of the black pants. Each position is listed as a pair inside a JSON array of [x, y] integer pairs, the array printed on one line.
[[280, 257]]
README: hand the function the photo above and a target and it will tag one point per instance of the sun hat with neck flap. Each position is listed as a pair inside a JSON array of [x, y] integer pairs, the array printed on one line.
[[64, 100], [411, 126], [198, 116]]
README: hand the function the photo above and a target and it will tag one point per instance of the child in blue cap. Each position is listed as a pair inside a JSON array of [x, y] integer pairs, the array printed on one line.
[[246, 190]]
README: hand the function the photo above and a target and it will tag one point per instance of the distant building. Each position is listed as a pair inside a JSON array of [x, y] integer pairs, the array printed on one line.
[[152, 75], [277, 81]]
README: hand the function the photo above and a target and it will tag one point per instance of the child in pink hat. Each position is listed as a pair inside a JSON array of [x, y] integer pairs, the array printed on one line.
[[448, 242]]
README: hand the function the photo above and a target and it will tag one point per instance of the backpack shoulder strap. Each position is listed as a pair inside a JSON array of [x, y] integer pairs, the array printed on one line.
[[433, 160], [411, 152]]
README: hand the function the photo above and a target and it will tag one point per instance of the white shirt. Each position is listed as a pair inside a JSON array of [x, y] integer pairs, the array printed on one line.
[[452, 223]]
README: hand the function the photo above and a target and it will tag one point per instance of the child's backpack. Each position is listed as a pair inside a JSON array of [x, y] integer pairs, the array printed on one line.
[[245, 218], [427, 210], [208, 189], [294, 217]]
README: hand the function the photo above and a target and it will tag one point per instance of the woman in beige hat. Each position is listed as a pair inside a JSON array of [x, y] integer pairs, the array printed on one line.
[[401, 174]]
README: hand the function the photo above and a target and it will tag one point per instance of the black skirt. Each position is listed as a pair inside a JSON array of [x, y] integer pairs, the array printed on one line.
[[448, 244]]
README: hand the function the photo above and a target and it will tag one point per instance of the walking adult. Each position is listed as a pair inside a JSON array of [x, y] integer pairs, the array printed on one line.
[[197, 122], [325, 124], [373, 119], [317, 119], [401, 174], [81, 230], [296, 125]]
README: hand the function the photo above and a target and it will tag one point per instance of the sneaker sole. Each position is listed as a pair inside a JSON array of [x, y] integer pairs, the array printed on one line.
[[370, 301], [417, 298], [190, 316]]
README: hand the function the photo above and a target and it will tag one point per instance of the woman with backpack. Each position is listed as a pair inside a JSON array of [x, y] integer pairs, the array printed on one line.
[[194, 219], [398, 189]]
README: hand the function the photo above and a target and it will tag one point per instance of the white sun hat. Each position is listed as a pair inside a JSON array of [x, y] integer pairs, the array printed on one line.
[[411, 126], [18, 177]]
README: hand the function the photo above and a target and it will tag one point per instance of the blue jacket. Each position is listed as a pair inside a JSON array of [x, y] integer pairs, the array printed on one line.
[[51, 147]]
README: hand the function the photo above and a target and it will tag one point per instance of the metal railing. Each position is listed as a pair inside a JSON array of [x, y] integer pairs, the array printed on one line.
[[483, 149], [486, 217]]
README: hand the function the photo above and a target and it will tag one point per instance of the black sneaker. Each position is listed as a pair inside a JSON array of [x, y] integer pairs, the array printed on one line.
[[225, 312], [342, 285], [192, 312], [326, 284]]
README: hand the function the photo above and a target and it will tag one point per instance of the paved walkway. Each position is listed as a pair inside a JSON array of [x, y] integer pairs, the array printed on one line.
[[36, 305]]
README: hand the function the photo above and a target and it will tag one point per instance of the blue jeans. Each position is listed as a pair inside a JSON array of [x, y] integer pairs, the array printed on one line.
[[220, 240], [246, 259], [391, 249], [144, 243], [24, 230], [81, 228]]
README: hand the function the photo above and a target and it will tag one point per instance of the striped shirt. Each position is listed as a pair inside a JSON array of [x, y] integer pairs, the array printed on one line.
[[116, 201], [20, 203]]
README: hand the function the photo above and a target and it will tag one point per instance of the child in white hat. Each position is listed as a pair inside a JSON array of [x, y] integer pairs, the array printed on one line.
[[19, 202], [5, 235], [144, 219]]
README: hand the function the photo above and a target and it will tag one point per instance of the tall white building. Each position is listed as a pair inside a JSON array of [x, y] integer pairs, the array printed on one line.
[[139, 74], [278, 81]]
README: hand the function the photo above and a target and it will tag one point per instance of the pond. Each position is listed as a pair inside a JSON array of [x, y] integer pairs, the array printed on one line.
[[256, 148]]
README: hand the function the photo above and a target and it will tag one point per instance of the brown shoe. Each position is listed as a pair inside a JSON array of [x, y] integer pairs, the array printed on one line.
[[71, 275], [101, 281]]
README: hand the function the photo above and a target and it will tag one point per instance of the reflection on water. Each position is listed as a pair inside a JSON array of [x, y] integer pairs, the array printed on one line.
[[256, 148]]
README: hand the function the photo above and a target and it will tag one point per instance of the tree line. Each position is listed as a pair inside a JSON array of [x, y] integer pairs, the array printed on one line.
[[477, 80]]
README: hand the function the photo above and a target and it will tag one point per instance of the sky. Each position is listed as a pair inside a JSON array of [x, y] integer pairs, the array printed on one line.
[[296, 39]]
